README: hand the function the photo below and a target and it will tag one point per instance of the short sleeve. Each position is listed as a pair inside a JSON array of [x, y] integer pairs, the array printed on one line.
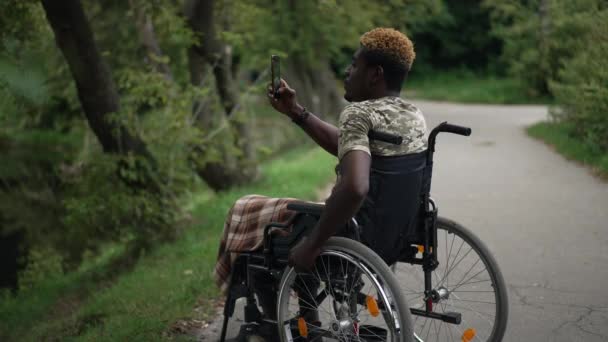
[[354, 125]]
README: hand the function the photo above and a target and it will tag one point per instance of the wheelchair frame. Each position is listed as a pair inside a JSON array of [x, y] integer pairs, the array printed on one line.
[[267, 261]]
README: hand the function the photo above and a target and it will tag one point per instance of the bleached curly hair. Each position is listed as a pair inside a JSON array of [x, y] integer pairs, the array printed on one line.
[[390, 42]]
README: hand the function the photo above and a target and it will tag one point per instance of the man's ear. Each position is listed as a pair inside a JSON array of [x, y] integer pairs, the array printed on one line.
[[377, 74]]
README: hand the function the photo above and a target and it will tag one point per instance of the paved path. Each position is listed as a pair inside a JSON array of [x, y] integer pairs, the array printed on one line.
[[544, 218]]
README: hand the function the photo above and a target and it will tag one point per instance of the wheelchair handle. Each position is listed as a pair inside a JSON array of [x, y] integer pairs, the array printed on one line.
[[386, 137], [460, 130], [448, 128]]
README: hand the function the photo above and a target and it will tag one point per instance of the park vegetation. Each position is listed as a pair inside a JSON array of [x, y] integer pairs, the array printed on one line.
[[116, 115], [113, 112], [555, 48]]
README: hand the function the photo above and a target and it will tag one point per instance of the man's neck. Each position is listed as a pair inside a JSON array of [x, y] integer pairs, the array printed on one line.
[[393, 93], [385, 93]]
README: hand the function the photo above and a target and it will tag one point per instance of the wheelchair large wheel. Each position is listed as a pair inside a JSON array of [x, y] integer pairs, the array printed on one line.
[[467, 281], [350, 295]]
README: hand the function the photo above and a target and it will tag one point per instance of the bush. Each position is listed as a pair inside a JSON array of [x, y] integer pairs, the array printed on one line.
[[539, 36], [43, 264], [71, 204], [581, 87]]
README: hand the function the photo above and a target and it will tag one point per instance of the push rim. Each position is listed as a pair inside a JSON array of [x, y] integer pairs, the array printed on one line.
[[348, 291]]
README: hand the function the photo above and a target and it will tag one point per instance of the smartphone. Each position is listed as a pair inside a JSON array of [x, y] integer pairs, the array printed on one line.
[[275, 74]]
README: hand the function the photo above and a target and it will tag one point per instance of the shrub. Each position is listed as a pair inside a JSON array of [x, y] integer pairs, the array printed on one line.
[[539, 36], [581, 87]]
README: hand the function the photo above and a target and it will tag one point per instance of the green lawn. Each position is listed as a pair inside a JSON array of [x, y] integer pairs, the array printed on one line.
[[467, 87], [165, 285], [559, 136]]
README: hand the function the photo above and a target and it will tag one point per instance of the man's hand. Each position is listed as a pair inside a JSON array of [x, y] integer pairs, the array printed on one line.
[[286, 102], [303, 255]]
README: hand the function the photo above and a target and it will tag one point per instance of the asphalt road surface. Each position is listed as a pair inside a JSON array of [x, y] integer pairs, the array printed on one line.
[[544, 218]]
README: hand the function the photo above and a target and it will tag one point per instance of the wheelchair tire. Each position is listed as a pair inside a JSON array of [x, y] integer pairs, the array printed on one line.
[[467, 281], [351, 289]]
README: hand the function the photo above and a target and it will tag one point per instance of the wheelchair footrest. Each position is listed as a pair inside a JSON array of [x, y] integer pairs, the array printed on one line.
[[448, 317], [235, 292], [252, 314], [266, 330]]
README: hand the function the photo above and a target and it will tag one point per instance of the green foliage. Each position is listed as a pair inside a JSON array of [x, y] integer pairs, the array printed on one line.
[[518, 24], [29, 199], [456, 35], [563, 137], [18, 19], [42, 265], [71, 198], [59, 188], [77, 205], [466, 86], [80, 204], [558, 48], [581, 86], [313, 31], [165, 283], [541, 35], [25, 81], [102, 208]]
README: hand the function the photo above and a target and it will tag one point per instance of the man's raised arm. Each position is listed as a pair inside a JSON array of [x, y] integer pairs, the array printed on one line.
[[323, 133]]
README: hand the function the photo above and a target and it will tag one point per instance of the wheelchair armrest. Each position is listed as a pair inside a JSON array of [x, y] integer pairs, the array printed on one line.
[[314, 209]]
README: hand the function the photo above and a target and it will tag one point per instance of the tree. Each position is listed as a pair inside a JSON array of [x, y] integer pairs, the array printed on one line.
[[455, 35], [209, 51], [96, 89], [149, 42], [98, 95]]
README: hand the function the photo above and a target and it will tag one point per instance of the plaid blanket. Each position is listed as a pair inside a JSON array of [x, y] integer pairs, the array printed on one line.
[[244, 230]]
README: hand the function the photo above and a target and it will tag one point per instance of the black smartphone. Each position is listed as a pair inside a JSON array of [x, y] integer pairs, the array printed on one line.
[[275, 74]]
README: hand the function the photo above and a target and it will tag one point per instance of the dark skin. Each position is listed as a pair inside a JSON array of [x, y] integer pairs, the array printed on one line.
[[362, 82]]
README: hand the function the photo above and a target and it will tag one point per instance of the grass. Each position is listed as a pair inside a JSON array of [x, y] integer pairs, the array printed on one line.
[[467, 87], [165, 285], [560, 137]]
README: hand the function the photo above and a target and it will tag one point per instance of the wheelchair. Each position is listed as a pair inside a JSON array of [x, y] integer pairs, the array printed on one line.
[[443, 284]]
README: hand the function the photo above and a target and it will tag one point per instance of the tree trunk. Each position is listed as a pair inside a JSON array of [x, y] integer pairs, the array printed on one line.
[[12, 251], [96, 90], [544, 32], [315, 84], [212, 50], [316, 87], [147, 36], [209, 50]]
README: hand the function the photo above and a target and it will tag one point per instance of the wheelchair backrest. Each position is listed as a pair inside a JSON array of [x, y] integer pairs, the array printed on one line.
[[389, 213]]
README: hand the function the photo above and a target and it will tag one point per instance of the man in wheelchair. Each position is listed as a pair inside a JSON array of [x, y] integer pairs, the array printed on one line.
[[370, 184]]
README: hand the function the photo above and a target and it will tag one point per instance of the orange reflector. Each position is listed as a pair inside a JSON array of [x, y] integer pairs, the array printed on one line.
[[302, 328], [468, 335], [421, 248], [372, 306]]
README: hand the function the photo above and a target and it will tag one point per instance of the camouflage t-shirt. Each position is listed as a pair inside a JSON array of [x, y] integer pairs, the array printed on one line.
[[388, 115]]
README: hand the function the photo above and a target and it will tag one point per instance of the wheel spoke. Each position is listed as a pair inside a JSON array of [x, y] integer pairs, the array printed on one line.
[[455, 257], [473, 283], [345, 282], [447, 256], [475, 301], [454, 266]]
